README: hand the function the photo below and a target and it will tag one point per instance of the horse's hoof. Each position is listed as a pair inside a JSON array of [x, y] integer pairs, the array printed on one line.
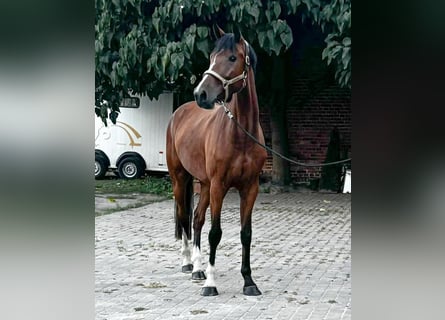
[[209, 291], [198, 275], [251, 291], [187, 268]]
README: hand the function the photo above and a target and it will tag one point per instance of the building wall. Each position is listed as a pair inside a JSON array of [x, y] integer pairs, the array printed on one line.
[[311, 118]]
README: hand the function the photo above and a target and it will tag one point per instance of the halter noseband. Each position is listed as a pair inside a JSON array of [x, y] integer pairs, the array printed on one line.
[[226, 83]]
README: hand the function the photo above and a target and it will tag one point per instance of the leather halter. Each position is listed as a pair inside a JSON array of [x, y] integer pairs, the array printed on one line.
[[226, 83]]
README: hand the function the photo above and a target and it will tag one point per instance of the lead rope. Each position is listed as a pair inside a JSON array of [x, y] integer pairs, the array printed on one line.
[[231, 117]]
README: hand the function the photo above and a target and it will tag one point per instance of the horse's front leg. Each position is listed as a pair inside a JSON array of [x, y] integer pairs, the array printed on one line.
[[217, 194], [248, 197]]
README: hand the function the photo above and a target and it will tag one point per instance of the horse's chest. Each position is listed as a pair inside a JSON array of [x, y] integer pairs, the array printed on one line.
[[244, 167]]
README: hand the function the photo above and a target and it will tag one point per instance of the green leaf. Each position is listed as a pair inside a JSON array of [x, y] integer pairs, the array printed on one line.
[[123, 72], [192, 28], [276, 9], [175, 14], [169, 5], [104, 112], [180, 60], [171, 71], [164, 61], [254, 11], [113, 75], [261, 38], [275, 26], [270, 37], [148, 65], [113, 116], [199, 9], [190, 42], [203, 46], [233, 12], [286, 37], [333, 43], [275, 45], [202, 32], [347, 78], [325, 53], [155, 22], [293, 6], [308, 4], [330, 58], [346, 57], [327, 12], [174, 59], [159, 74], [177, 60], [336, 50], [267, 13], [347, 42], [316, 14], [108, 38]]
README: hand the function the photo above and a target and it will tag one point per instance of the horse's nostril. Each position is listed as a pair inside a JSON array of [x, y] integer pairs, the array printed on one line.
[[200, 96], [203, 96]]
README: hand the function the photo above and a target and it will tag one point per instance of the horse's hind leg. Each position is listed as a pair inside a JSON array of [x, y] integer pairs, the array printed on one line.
[[198, 222], [248, 196], [183, 190]]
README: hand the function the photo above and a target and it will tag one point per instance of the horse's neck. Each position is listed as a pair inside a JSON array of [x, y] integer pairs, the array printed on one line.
[[246, 110]]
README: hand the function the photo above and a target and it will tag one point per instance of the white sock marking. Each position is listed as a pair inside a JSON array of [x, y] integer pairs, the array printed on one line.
[[210, 282], [185, 251], [196, 258]]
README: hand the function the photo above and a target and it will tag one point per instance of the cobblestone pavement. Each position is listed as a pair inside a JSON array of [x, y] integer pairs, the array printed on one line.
[[300, 261]]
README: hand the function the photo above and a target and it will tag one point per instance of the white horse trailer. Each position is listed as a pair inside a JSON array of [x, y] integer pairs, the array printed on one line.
[[136, 142]]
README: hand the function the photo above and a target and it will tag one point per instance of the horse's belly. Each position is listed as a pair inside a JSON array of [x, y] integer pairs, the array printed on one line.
[[194, 163]]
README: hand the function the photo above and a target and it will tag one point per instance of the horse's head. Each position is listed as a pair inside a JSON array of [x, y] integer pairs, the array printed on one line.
[[228, 70]]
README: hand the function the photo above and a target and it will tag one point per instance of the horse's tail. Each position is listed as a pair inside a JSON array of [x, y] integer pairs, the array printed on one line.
[[188, 211]]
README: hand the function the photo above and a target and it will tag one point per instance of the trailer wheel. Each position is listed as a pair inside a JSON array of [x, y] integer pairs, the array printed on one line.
[[100, 167], [130, 168]]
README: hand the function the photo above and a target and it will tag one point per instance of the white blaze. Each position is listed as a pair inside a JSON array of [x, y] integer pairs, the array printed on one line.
[[206, 75]]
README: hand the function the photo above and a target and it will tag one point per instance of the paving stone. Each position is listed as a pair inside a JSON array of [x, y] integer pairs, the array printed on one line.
[[300, 260]]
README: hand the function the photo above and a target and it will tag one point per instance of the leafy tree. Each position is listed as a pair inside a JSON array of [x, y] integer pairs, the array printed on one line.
[[146, 47], [149, 46]]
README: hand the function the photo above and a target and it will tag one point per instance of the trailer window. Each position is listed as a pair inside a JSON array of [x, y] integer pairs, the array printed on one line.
[[132, 102]]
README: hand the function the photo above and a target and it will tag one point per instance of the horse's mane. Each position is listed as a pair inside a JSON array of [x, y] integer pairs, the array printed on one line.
[[227, 41]]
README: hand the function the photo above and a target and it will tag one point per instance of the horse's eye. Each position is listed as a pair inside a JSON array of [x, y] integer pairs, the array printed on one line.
[[232, 58]]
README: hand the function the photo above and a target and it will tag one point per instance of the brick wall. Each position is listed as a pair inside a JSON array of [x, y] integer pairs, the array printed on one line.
[[311, 118], [265, 125]]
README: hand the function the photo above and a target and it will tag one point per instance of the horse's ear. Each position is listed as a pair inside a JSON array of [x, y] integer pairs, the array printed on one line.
[[219, 31], [238, 36]]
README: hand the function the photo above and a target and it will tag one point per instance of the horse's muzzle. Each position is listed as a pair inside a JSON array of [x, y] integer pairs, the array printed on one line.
[[202, 99]]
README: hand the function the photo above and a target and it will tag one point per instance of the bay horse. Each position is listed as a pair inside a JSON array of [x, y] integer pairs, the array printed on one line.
[[204, 143]]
